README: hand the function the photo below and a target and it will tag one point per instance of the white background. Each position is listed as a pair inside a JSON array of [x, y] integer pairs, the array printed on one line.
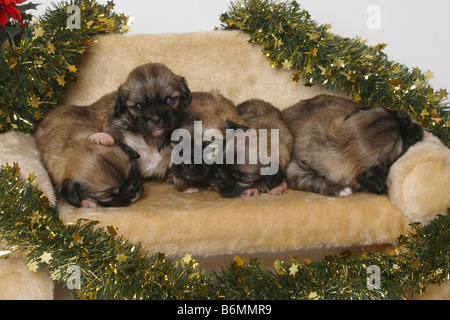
[[417, 31]]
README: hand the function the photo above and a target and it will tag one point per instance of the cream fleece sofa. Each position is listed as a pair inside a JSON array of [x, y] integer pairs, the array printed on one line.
[[203, 224]]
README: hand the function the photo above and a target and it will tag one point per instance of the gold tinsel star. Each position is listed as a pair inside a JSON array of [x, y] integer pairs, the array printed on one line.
[[72, 68], [339, 63], [51, 48], [380, 46], [287, 65], [239, 261], [121, 257], [294, 269], [33, 266], [77, 238], [46, 257], [110, 5], [429, 75], [61, 81], [34, 102], [314, 52], [443, 94], [38, 32], [187, 258]]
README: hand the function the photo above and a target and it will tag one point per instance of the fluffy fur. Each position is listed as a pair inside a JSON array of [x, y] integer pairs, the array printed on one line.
[[341, 146], [84, 173], [246, 180], [142, 114], [215, 112]]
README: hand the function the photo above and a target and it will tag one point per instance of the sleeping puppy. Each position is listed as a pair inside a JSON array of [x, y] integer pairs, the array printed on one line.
[[213, 111], [247, 178], [141, 115], [341, 147], [83, 173]]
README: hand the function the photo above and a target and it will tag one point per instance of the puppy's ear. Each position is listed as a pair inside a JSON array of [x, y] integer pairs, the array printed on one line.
[[373, 180], [230, 124], [120, 106], [185, 91], [70, 191], [128, 193], [410, 131], [130, 151]]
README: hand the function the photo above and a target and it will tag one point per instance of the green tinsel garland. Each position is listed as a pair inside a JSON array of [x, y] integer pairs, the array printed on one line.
[[291, 39], [40, 60], [112, 267]]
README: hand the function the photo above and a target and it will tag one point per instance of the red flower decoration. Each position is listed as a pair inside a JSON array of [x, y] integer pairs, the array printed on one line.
[[8, 6]]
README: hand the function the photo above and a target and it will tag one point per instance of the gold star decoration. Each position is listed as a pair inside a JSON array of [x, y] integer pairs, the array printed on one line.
[[432, 97], [77, 238], [287, 65], [61, 80], [36, 217], [38, 32], [38, 115], [111, 230], [314, 51], [121, 257], [110, 5], [187, 258], [239, 261], [46, 257], [339, 63], [424, 113], [380, 46], [416, 70], [293, 270], [34, 101], [33, 266], [72, 68], [51, 48], [429, 75], [443, 94]]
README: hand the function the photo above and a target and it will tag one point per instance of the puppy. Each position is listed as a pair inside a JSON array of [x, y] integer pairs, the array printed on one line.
[[341, 147], [83, 173], [211, 110], [246, 179], [141, 115]]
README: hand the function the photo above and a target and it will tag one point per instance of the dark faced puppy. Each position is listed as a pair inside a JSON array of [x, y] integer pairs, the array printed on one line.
[[209, 111], [341, 146], [142, 114], [83, 173], [269, 142]]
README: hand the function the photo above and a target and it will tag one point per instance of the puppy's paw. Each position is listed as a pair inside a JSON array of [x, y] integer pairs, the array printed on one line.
[[191, 190], [88, 204], [278, 189], [252, 192], [102, 138], [346, 192]]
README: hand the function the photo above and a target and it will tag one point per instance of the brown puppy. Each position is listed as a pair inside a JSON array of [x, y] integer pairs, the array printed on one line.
[[341, 146], [83, 173], [141, 116], [247, 179], [210, 110]]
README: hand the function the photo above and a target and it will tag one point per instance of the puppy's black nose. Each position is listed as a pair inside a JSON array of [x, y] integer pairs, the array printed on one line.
[[156, 119]]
